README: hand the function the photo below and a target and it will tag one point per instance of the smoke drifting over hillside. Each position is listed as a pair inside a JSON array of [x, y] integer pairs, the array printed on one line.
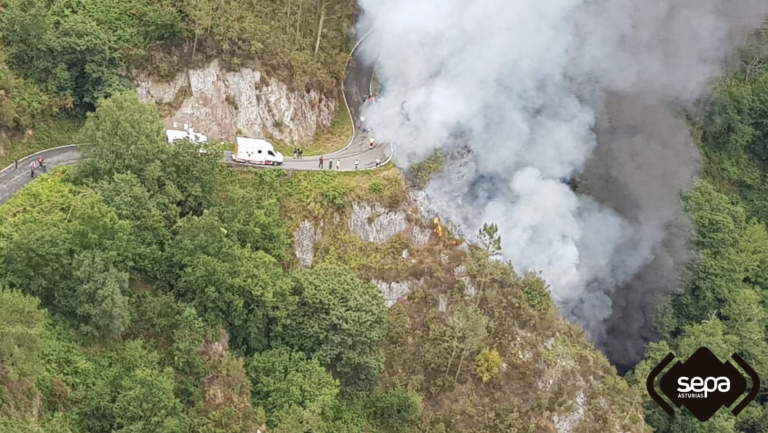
[[545, 91]]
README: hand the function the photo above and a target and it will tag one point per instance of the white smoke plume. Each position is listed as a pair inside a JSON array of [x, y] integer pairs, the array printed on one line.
[[543, 91]]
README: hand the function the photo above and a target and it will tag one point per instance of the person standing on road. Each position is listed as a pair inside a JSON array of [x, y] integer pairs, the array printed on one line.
[[301, 153], [372, 142], [41, 163], [296, 153], [338, 164], [330, 164], [17, 165], [32, 169], [356, 163], [377, 162], [321, 163]]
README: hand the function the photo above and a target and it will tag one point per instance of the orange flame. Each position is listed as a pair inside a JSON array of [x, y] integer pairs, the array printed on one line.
[[438, 227]]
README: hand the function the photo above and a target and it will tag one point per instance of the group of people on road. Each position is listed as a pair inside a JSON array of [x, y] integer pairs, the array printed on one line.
[[298, 153], [338, 163], [34, 166], [371, 143], [330, 163]]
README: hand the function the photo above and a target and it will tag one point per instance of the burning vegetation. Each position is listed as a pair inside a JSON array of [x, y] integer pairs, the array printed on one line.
[[438, 228], [440, 233]]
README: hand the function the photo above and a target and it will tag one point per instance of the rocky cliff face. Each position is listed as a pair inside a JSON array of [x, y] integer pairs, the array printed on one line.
[[551, 379], [223, 105], [370, 223]]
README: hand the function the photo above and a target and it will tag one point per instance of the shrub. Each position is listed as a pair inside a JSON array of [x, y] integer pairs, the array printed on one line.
[[376, 187], [488, 363], [396, 410]]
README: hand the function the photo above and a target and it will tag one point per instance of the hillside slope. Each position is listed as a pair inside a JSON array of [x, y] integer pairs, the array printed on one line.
[[448, 303], [185, 283]]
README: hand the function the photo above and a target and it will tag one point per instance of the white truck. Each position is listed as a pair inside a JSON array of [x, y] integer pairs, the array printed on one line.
[[256, 151]]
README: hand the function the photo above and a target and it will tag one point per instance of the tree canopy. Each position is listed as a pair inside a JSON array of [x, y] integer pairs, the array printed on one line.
[[170, 307], [340, 321], [722, 304]]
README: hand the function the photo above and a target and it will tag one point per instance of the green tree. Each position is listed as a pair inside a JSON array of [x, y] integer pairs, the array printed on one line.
[[296, 419], [177, 333], [77, 48], [150, 221], [21, 102], [340, 321], [491, 242], [122, 388], [22, 323], [281, 379], [124, 135], [184, 355], [100, 298], [396, 410], [69, 54], [348, 415], [254, 222], [194, 174], [490, 239], [227, 284], [729, 252], [38, 247], [145, 403]]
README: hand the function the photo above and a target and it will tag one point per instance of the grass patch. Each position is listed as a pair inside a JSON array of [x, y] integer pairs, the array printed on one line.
[[352, 186], [57, 131], [313, 195], [326, 141], [328, 196], [340, 247]]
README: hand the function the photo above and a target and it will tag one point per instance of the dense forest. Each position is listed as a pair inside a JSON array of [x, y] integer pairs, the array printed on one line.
[[724, 304], [136, 298]]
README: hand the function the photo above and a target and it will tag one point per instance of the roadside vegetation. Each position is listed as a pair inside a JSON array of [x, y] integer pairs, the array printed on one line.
[[59, 130]]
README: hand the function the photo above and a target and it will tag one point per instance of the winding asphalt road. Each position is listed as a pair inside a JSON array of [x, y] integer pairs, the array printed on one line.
[[357, 84]]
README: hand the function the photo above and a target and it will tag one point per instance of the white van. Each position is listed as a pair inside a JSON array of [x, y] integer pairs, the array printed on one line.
[[256, 151], [174, 135]]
